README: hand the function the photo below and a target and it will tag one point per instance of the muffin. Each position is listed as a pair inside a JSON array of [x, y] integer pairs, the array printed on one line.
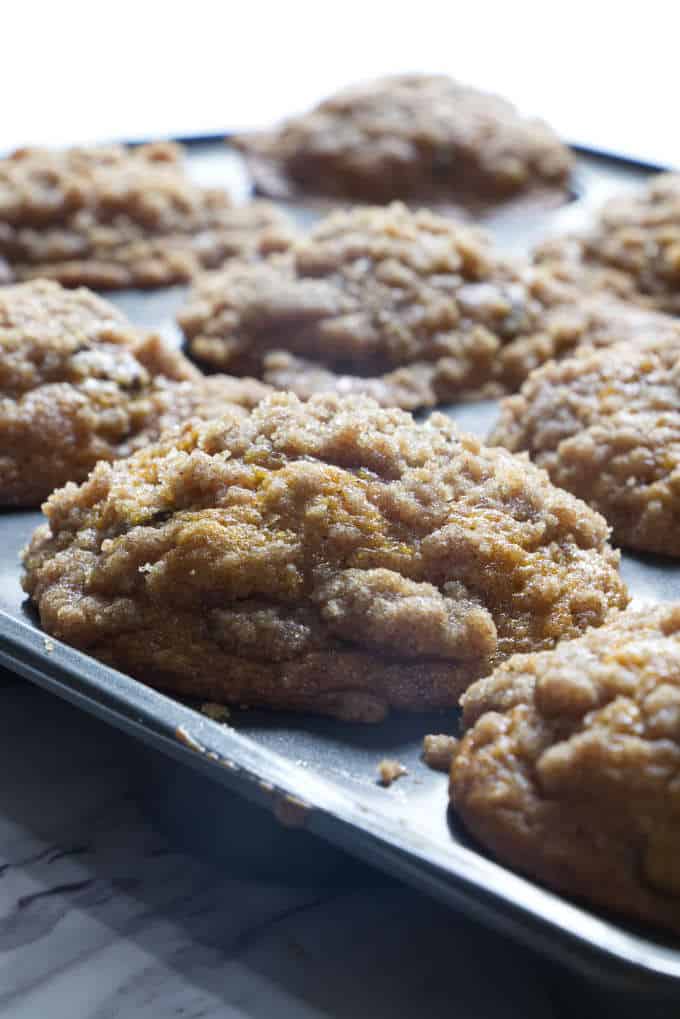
[[413, 137], [569, 768], [605, 424], [328, 556], [632, 250], [79, 383], [404, 307], [111, 217]]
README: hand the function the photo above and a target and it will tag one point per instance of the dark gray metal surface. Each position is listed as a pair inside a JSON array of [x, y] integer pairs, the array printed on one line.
[[321, 774]]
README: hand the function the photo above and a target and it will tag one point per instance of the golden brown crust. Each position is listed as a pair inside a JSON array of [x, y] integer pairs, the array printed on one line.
[[389, 770], [409, 136], [78, 384], [112, 217], [574, 321], [632, 250], [569, 768], [404, 307], [605, 424], [329, 556]]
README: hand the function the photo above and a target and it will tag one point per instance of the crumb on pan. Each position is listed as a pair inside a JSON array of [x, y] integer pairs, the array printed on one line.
[[390, 770], [216, 712], [438, 751]]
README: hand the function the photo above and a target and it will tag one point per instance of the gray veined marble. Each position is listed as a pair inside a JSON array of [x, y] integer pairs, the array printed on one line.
[[101, 918]]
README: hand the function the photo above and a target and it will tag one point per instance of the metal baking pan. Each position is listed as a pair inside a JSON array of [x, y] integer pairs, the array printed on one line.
[[320, 774]]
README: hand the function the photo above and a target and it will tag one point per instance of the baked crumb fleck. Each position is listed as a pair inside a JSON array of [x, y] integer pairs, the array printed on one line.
[[390, 770], [438, 751], [216, 712]]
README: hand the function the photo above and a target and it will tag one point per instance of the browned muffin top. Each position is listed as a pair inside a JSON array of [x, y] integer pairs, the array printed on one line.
[[569, 769], [605, 424], [633, 248], [112, 217], [331, 556], [410, 136], [405, 307], [79, 383]]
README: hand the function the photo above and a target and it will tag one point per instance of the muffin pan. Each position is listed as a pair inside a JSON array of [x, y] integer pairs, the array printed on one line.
[[319, 774]]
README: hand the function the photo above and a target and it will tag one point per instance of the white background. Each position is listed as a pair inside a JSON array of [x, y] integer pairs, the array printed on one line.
[[604, 73]]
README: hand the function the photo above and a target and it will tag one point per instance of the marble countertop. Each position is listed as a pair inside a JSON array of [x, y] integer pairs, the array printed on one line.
[[102, 916]]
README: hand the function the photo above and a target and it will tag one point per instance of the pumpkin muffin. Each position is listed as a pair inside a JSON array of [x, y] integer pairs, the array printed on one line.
[[79, 383], [632, 250], [405, 307], [413, 137], [605, 424], [331, 556], [569, 768], [112, 217]]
